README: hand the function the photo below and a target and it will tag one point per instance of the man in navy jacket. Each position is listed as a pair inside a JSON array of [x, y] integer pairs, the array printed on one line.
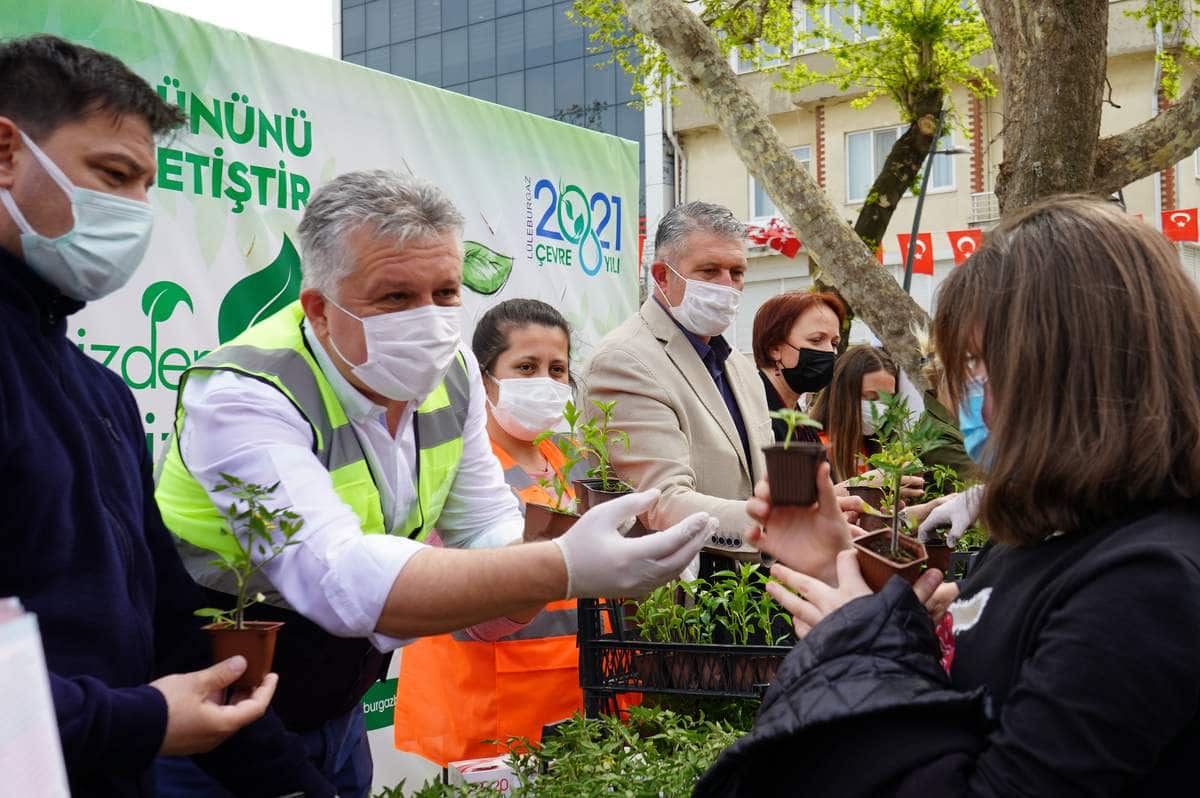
[[85, 547]]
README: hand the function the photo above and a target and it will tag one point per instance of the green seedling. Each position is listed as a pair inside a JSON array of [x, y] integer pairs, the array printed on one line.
[[794, 419], [260, 535]]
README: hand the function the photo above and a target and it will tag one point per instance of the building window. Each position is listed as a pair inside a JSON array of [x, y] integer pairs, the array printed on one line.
[[867, 150], [761, 205]]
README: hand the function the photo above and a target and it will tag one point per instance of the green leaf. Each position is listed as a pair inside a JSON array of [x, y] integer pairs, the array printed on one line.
[[485, 271], [570, 208], [160, 299], [259, 295], [579, 226]]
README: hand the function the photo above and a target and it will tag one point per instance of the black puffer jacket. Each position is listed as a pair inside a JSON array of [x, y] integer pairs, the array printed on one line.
[[859, 708], [1087, 646]]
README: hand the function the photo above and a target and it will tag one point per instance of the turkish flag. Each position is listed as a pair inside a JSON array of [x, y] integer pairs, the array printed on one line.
[[1181, 225], [964, 243], [923, 257]]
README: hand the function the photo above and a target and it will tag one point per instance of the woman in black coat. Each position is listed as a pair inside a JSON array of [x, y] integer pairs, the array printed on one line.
[[1071, 342]]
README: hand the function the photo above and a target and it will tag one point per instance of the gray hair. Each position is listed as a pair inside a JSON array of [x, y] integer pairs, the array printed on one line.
[[392, 206], [683, 220]]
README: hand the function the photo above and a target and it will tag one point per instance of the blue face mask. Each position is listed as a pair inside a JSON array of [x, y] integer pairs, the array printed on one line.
[[99, 253], [970, 420]]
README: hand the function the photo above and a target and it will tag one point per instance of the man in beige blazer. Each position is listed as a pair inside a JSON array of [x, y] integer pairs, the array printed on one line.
[[694, 409]]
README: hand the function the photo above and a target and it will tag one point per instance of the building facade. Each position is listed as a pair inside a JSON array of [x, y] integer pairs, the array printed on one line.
[[844, 147], [525, 54]]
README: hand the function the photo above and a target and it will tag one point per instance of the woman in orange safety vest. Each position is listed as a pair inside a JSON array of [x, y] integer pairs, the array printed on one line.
[[454, 692]]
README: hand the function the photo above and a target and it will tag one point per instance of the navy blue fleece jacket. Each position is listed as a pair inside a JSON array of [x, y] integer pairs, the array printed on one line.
[[86, 550]]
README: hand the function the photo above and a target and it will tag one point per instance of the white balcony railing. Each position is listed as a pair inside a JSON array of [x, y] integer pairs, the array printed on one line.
[[985, 208]]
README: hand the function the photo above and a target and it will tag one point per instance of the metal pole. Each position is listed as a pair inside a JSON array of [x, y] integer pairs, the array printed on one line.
[[912, 240]]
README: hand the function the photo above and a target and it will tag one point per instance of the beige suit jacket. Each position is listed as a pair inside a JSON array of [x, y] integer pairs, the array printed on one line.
[[682, 437]]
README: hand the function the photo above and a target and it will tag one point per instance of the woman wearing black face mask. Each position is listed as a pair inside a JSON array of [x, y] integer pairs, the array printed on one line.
[[796, 336]]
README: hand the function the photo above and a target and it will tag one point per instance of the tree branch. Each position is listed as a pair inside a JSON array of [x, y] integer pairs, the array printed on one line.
[[851, 266], [1150, 147]]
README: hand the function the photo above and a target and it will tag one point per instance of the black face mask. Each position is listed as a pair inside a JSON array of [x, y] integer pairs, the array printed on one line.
[[812, 372]]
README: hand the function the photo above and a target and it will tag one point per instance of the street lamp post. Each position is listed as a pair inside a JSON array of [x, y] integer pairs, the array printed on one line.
[[912, 240]]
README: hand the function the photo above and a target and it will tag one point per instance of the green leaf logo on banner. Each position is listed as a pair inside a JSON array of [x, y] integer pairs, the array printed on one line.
[[160, 299], [257, 296], [485, 271]]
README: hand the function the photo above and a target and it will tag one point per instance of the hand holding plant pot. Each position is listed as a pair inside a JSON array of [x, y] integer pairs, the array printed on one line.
[[806, 538], [888, 552], [792, 467], [259, 534], [811, 600]]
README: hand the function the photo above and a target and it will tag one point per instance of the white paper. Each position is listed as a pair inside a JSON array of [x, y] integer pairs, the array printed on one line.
[[30, 752]]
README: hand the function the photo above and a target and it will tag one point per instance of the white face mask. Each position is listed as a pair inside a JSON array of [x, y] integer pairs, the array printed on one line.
[[870, 406], [706, 308], [528, 406], [100, 252], [408, 352]]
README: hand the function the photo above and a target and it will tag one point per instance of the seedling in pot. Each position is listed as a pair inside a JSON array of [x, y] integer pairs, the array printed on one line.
[[792, 467], [259, 534], [902, 443]]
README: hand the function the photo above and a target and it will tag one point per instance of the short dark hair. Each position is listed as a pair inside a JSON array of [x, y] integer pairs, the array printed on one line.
[[1090, 332], [492, 330], [49, 82]]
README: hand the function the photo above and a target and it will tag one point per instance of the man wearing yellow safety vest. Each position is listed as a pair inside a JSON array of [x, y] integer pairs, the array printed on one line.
[[362, 404]]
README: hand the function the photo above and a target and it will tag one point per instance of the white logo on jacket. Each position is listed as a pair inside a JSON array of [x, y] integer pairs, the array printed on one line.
[[967, 612]]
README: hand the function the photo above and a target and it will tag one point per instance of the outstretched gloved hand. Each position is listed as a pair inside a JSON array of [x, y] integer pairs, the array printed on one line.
[[959, 512], [600, 562]]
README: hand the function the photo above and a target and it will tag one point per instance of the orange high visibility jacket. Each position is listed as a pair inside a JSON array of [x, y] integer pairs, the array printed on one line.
[[454, 692]]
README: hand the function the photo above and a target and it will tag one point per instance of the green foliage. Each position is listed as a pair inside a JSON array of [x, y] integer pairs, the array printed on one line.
[[902, 443], [1180, 44], [900, 49], [598, 436], [693, 611], [793, 418], [656, 753], [573, 454], [259, 533]]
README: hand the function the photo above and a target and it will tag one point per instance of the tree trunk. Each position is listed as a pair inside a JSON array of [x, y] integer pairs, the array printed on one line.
[[872, 291], [1053, 57], [902, 166]]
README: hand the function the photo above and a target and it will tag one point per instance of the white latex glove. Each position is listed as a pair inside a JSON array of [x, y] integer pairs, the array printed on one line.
[[600, 562], [960, 512]]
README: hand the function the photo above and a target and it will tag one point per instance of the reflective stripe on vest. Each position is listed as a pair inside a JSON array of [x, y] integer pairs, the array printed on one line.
[[275, 352], [547, 623]]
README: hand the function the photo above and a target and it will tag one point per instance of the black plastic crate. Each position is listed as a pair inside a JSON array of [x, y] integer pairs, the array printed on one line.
[[613, 660]]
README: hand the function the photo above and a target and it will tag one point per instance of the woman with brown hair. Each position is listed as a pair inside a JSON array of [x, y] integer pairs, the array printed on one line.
[[796, 337], [1071, 343], [845, 409]]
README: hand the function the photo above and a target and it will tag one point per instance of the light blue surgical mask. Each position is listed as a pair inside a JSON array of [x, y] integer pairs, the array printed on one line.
[[970, 419], [100, 252]]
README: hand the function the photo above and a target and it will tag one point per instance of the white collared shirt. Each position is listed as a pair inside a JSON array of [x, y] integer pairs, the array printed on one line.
[[335, 575]]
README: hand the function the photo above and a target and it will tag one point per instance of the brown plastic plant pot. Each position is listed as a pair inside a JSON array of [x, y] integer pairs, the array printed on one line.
[[873, 497], [589, 494], [877, 568], [939, 553], [255, 642], [544, 523], [792, 472]]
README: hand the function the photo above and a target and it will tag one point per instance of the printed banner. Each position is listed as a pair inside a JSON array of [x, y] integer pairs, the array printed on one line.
[[551, 209]]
